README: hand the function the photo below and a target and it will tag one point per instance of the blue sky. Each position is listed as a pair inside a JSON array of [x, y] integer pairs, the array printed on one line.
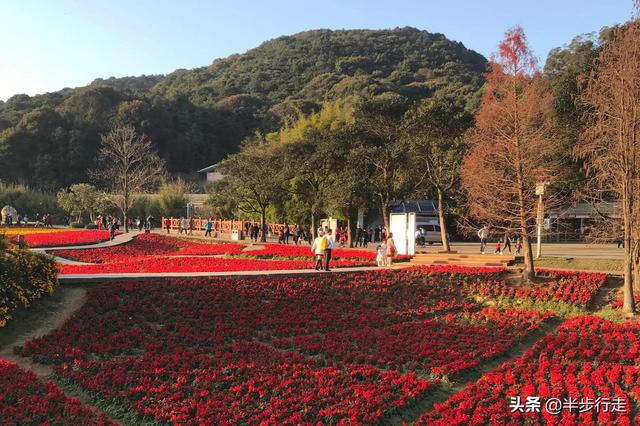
[[46, 45]]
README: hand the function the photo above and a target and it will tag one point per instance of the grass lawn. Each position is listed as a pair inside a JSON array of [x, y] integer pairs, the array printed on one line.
[[579, 263]]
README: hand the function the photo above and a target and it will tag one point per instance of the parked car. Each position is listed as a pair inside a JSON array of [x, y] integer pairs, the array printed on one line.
[[431, 232]]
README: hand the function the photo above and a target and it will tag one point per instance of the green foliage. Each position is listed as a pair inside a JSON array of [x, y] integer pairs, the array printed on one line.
[[252, 180], [564, 68], [26, 200], [196, 117], [172, 198], [80, 199], [24, 277]]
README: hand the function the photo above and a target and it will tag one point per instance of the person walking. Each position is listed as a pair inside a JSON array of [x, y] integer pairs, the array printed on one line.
[[286, 233], [391, 250], [483, 234], [317, 248], [507, 243], [358, 236], [112, 229], [518, 246], [207, 228], [327, 251], [192, 225]]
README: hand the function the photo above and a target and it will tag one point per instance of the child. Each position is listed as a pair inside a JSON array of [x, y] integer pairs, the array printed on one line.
[[498, 248], [518, 246], [381, 257]]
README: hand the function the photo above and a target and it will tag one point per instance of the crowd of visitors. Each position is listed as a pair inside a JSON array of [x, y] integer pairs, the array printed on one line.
[[23, 220], [324, 243]]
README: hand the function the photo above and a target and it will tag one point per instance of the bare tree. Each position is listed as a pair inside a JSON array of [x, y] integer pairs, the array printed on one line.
[[610, 143], [511, 145], [128, 165]]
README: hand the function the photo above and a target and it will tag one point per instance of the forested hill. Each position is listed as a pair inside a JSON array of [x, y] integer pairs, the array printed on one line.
[[195, 117]]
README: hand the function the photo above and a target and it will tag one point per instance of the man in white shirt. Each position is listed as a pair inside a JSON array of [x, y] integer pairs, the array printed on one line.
[[483, 234], [327, 251]]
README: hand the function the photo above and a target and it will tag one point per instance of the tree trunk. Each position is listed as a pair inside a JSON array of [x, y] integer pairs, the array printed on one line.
[[351, 232], [629, 304], [443, 224], [263, 224], [529, 271], [384, 206], [313, 226], [636, 267]]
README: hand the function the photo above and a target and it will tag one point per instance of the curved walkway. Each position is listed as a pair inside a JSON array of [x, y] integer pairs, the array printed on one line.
[[42, 318]]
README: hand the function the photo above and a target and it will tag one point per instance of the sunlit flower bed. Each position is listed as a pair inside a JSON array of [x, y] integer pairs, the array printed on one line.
[[456, 342], [28, 230], [54, 237], [575, 288], [25, 400], [588, 358], [236, 351], [289, 250], [146, 245], [153, 253], [157, 264]]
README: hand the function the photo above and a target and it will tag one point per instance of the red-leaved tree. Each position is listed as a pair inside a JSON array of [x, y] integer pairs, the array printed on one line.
[[511, 145]]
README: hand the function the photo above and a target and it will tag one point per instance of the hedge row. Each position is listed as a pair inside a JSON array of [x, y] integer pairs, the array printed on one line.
[[24, 277]]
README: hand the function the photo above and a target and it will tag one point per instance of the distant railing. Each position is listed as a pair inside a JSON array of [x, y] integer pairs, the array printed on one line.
[[223, 226]]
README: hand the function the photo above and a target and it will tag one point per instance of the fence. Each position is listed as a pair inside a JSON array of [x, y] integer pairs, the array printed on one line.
[[223, 226]]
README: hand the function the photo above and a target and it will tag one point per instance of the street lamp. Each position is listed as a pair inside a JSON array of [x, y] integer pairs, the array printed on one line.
[[540, 187]]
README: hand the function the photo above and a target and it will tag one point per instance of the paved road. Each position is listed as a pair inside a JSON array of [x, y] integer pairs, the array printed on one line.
[[602, 251]]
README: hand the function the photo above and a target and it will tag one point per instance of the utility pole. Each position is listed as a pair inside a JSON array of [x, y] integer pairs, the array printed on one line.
[[540, 187]]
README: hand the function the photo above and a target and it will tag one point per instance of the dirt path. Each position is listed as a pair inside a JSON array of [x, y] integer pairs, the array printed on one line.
[[46, 315], [606, 294]]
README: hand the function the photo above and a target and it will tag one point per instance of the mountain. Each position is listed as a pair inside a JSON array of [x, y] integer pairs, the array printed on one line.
[[195, 117]]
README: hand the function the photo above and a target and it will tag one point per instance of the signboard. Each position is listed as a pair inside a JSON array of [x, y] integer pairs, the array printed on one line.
[[403, 228]]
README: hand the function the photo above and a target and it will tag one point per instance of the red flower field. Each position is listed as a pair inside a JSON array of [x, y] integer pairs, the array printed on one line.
[[156, 253], [346, 348], [25, 400], [144, 245], [55, 237], [588, 361], [158, 264]]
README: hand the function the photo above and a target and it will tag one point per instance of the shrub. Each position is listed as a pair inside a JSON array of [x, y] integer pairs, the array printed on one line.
[[77, 225], [24, 277], [91, 226]]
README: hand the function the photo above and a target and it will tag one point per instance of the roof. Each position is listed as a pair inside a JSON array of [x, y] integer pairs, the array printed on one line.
[[208, 168], [586, 210], [426, 207]]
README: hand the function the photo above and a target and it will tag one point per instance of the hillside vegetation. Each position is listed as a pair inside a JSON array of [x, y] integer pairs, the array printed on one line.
[[195, 117]]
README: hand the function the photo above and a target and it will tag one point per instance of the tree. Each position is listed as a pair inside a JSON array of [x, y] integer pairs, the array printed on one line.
[[252, 178], [81, 198], [435, 133], [129, 166], [379, 122], [511, 145], [610, 143], [172, 197], [310, 151]]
